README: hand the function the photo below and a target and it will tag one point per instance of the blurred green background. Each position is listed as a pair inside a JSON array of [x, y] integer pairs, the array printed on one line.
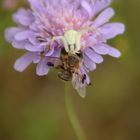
[[32, 107]]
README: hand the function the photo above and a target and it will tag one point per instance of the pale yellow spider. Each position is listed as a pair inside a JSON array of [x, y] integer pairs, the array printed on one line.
[[71, 40]]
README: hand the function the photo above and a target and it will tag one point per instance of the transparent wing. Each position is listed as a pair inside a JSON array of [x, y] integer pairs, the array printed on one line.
[[78, 85]]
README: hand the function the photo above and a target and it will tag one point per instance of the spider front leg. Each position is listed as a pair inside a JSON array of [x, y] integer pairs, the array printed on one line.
[[78, 44], [55, 38], [86, 30], [63, 40], [78, 38], [65, 44]]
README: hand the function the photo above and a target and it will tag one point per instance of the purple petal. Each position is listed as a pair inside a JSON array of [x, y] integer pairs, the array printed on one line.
[[23, 17], [42, 68], [90, 65], [23, 35], [56, 52], [32, 48], [101, 4], [87, 7], [82, 14], [90, 41], [103, 17], [50, 52], [33, 39], [36, 5], [100, 49], [19, 44], [113, 51], [111, 30], [11, 32], [23, 62], [36, 58], [92, 55]]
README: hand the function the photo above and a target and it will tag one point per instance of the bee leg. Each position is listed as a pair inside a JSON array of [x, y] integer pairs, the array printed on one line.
[[83, 79], [90, 84]]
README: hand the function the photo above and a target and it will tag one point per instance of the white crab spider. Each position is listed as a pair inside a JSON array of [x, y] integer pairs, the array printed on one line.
[[71, 40]]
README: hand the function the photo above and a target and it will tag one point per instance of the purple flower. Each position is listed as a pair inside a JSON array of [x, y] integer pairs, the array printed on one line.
[[50, 18]]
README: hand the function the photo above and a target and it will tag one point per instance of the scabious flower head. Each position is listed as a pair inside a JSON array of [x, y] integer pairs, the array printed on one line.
[[50, 18]]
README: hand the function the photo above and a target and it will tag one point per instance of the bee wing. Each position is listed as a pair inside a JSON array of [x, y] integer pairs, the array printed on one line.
[[54, 60], [78, 85]]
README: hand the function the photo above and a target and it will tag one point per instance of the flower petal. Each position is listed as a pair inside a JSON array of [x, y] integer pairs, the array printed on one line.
[[100, 49], [36, 58], [92, 55], [113, 51], [90, 65], [33, 48], [23, 62], [36, 5], [87, 7], [111, 30], [23, 17], [103, 17], [100, 5], [11, 32], [42, 68], [23, 35], [19, 44], [49, 52]]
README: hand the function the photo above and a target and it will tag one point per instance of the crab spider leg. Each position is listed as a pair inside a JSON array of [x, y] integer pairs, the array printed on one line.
[[72, 48], [63, 40], [84, 30], [65, 44], [87, 29], [55, 38], [78, 45], [78, 38]]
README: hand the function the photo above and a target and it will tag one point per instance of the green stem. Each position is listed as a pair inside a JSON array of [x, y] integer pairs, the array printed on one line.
[[71, 115]]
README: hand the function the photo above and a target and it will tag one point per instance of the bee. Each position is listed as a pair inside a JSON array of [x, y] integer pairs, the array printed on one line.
[[71, 61], [69, 66]]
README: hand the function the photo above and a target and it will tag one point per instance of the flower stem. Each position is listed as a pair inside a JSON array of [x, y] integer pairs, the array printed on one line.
[[72, 116]]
